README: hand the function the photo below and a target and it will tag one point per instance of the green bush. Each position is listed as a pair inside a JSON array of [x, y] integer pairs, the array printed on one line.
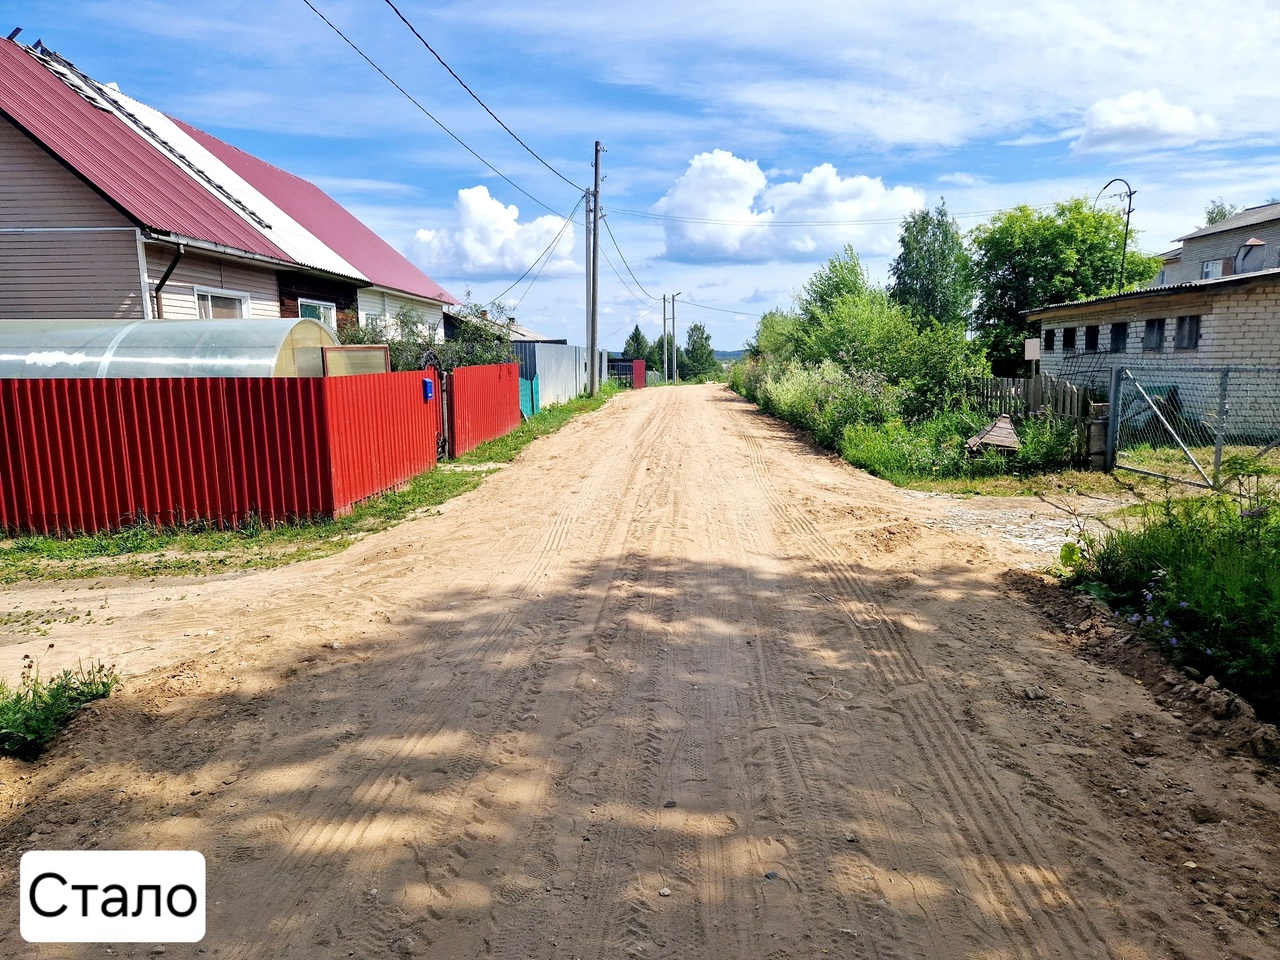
[[35, 711], [824, 400], [1200, 577]]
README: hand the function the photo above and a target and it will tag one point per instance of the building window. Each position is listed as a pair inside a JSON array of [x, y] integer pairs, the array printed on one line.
[[1160, 279], [1091, 339], [326, 313], [1210, 269], [1068, 339], [1187, 334], [1153, 336], [1119, 337], [221, 304], [1049, 337]]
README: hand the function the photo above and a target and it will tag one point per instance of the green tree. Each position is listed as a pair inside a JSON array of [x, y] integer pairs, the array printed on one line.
[[1024, 258], [653, 359], [699, 358], [840, 276], [930, 275], [1218, 210], [637, 345]]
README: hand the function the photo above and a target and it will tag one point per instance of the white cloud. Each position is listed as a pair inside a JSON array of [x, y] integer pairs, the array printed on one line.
[[1142, 119], [730, 212], [491, 240]]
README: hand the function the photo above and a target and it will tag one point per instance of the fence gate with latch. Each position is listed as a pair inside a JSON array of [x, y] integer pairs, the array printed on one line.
[[1195, 425]]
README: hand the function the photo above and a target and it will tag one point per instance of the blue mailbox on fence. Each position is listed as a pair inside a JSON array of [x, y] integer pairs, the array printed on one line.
[[428, 389]]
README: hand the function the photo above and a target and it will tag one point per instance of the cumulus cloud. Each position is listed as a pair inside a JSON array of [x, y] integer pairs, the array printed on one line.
[[491, 241], [730, 212], [1143, 118]]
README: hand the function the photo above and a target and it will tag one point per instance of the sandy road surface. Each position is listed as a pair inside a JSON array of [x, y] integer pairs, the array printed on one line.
[[671, 648]]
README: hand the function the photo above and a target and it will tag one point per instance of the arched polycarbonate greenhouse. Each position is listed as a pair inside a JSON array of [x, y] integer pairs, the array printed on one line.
[[38, 349]]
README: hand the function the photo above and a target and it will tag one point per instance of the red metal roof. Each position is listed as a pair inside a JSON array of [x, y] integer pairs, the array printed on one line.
[[116, 159], [327, 219]]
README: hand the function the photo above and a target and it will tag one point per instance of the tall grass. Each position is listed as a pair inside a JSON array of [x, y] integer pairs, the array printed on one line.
[[33, 712], [1201, 578]]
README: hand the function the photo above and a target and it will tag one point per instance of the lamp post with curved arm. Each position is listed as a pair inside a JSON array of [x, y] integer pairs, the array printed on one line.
[[1129, 192]]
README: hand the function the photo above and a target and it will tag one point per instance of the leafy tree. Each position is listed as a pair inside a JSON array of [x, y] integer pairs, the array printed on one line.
[[775, 335], [1024, 258], [1219, 210], [637, 345], [699, 358], [415, 342], [840, 276], [654, 358], [930, 275]]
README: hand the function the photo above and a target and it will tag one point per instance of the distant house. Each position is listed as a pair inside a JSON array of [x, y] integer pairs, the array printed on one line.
[[1247, 242], [110, 209]]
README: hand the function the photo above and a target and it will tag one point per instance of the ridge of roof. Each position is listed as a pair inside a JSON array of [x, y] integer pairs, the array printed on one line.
[[325, 218], [1263, 213]]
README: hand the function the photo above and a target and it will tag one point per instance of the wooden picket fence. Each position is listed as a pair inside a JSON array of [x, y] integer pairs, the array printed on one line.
[[1028, 395]]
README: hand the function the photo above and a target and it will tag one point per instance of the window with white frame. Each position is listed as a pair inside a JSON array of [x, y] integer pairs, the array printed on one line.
[[221, 304], [1210, 269], [326, 313]]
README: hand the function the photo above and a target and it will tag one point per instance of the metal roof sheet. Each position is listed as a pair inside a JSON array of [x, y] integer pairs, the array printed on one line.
[[1190, 286], [147, 184], [327, 219], [298, 242], [1245, 218]]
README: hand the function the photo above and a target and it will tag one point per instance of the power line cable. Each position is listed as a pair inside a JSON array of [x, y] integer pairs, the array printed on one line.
[[635, 296], [704, 306], [408, 96], [545, 253], [624, 261], [547, 258], [533, 153], [871, 221]]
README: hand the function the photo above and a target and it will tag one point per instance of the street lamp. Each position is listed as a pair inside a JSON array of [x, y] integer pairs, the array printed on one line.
[[1129, 192]]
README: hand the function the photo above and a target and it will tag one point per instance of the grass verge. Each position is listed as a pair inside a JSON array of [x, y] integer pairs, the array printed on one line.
[[33, 712], [1200, 578], [547, 420], [143, 550]]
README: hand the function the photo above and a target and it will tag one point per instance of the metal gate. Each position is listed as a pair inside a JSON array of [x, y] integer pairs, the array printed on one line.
[[1198, 426]]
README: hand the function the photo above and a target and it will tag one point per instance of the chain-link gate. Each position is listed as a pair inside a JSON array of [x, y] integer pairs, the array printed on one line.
[[1195, 425]]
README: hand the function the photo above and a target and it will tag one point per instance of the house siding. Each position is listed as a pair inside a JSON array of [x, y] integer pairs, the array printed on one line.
[[342, 295], [70, 276], [196, 270], [65, 252], [377, 302]]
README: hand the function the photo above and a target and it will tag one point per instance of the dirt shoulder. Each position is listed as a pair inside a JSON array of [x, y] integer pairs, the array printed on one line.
[[670, 648]]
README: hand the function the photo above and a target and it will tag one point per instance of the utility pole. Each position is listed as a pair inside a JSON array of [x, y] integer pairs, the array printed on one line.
[[665, 368], [586, 259], [675, 346], [593, 346], [1124, 247]]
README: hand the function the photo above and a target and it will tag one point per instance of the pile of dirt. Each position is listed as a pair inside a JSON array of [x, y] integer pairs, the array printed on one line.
[[1214, 716]]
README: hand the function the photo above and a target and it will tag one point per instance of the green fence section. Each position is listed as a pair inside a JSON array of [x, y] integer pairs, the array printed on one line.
[[530, 398]]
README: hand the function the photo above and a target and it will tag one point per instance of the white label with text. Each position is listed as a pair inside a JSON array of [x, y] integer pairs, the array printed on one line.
[[112, 896]]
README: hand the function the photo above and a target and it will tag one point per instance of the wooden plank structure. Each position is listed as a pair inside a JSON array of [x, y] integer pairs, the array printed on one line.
[[999, 434], [1023, 396]]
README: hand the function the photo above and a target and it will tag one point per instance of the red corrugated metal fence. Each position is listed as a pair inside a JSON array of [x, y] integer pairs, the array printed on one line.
[[88, 455], [637, 374], [484, 403]]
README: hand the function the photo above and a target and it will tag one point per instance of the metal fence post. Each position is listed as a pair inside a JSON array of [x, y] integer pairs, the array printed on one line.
[[1113, 417], [1221, 436]]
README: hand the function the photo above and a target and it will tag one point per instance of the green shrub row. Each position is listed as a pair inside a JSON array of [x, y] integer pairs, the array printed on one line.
[[866, 419]]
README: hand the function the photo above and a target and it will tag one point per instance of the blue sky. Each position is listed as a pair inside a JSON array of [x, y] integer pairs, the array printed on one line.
[[747, 142]]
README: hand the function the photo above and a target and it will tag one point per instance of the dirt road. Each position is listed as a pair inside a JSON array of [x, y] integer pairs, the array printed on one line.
[[673, 685]]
